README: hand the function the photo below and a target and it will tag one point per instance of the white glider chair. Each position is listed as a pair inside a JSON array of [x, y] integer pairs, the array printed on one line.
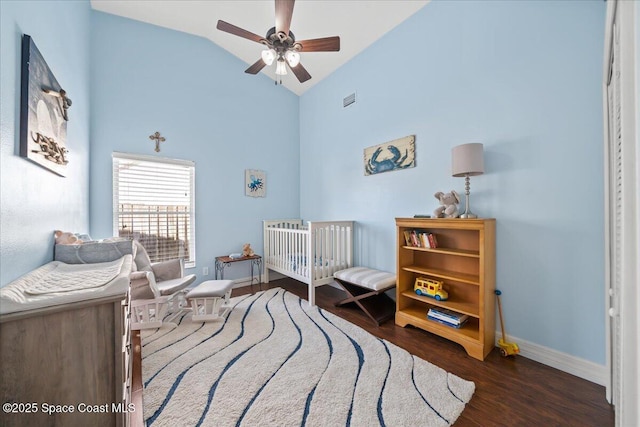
[[157, 289]]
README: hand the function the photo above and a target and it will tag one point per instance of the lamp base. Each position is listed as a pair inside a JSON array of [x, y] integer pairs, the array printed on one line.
[[467, 212]]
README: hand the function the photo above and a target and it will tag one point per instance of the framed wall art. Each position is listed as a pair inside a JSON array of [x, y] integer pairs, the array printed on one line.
[[255, 183], [390, 156], [43, 112]]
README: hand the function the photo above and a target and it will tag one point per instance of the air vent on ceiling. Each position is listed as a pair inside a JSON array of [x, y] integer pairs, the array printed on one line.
[[348, 100]]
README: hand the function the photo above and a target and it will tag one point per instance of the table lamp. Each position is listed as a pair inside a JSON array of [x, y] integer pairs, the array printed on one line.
[[467, 160]]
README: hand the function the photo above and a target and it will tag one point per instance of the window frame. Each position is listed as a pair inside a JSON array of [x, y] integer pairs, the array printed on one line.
[[118, 157]]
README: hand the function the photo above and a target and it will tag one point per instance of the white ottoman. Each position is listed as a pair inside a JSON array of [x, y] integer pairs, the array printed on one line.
[[208, 298]]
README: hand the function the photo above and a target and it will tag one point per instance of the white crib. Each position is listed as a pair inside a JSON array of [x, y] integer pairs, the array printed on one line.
[[309, 252]]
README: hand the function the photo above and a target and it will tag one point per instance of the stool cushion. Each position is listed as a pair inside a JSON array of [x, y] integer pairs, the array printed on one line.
[[367, 278], [211, 288]]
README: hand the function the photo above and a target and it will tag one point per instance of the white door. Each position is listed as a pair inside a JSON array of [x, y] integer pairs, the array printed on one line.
[[614, 216], [621, 211]]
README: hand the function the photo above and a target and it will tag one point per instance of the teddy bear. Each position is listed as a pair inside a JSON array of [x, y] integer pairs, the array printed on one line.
[[66, 238], [448, 205], [246, 250]]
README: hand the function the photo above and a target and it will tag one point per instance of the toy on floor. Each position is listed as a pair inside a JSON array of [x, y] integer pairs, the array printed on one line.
[[506, 348], [448, 205]]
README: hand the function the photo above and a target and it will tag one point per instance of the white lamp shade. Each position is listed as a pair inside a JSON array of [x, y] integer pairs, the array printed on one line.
[[281, 68], [467, 159], [268, 56], [293, 58]]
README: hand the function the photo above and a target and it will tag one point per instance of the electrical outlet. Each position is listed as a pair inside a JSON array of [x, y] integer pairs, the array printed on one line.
[[205, 271]]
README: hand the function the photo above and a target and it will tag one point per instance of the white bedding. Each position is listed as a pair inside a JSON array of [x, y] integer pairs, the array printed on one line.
[[298, 264]]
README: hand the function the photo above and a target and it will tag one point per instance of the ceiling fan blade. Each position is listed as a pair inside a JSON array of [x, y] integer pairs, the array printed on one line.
[[301, 73], [256, 67], [284, 12], [326, 44], [237, 31]]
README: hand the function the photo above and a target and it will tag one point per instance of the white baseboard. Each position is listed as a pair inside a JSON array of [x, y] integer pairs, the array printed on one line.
[[273, 275], [573, 365], [241, 282], [246, 281]]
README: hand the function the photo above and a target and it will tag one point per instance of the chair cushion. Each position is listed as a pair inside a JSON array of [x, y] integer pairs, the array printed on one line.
[[211, 288], [167, 270], [141, 260], [170, 287], [367, 278]]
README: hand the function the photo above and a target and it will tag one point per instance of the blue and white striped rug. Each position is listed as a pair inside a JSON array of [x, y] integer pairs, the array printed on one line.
[[275, 361]]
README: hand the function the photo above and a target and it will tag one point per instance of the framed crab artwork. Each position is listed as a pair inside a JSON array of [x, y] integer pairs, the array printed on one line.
[[390, 156]]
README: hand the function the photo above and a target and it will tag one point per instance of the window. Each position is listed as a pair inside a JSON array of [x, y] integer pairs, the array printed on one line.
[[153, 203]]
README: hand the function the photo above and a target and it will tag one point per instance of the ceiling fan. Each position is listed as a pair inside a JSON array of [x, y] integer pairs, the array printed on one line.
[[282, 45]]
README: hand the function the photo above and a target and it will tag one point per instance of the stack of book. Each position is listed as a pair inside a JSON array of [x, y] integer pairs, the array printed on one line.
[[420, 239], [447, 317]]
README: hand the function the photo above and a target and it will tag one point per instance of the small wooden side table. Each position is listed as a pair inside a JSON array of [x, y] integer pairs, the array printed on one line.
[[256, 262]]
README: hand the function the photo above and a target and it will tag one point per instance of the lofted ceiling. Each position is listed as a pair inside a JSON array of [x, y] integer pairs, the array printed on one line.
[[359, 23]]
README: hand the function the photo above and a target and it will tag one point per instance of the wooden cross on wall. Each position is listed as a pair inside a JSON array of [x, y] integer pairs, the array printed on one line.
[[156, 136]]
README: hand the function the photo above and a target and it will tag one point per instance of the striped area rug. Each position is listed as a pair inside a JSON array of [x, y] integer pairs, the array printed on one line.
[[275, 361]]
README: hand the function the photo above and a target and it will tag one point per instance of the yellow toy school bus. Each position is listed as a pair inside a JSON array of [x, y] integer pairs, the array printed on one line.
[[430, 288]]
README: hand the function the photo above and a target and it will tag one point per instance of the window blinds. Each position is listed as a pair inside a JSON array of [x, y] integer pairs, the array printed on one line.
[[153, 203]]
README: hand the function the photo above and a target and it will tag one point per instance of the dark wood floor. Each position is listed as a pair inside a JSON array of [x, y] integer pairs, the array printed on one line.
[[509, 391]]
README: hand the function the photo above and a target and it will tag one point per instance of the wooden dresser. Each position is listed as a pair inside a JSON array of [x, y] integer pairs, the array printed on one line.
[[67, 365]]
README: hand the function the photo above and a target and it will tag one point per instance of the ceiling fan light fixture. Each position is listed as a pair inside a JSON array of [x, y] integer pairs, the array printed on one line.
[[293, 58], [280, 44], [281, 68], [268, 56]]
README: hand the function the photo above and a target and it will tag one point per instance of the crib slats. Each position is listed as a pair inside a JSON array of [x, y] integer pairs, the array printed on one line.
[[311, 254]]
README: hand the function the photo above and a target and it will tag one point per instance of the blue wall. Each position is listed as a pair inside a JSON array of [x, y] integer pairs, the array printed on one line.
[[33, 201], [524, 79], [145, 79]]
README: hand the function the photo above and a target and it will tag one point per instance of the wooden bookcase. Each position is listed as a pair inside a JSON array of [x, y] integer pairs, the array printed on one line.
[[465, 261]]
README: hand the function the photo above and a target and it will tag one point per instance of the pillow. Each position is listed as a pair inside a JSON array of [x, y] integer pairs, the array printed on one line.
[[93, 252]]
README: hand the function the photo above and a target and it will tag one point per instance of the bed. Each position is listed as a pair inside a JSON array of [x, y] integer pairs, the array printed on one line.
[[309, 252]]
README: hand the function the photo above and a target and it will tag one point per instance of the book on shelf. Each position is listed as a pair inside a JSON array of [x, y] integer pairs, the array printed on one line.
[[424, 240], [433, 243], [444, 322], [447, 315], [415, 241], [407, 238], [420, 239]]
